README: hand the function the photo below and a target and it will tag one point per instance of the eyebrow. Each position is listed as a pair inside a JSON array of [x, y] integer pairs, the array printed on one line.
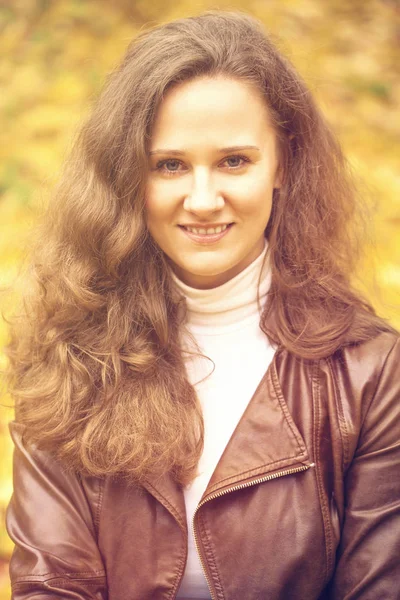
[[221, 150]]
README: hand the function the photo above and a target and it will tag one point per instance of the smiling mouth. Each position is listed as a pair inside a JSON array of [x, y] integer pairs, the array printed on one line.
[[206, 230]]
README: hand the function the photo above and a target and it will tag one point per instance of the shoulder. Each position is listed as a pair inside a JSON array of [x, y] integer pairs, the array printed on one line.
[[355, 365], [365, 378], [373, 352], [39, 471], [50, 519], [364, 366]]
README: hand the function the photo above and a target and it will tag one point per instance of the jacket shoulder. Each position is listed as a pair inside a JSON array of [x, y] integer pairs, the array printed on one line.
[[366, 379], [371, 353], [50, 519], [368, 383]]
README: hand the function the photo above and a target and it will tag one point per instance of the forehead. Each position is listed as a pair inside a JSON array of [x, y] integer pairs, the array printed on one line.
[[218, 109]]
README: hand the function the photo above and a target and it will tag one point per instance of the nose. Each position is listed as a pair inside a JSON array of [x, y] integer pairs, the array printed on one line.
[[203, 199]]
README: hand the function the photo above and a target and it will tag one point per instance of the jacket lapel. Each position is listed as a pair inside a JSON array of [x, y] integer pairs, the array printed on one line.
[[266, 439], [170, 495]]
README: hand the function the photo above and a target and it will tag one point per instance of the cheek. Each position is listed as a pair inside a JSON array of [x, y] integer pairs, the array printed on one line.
[[254, 197], [158, 205], [163, 196]]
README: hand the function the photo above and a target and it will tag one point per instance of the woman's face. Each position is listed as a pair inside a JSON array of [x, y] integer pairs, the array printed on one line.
[[213, 166]]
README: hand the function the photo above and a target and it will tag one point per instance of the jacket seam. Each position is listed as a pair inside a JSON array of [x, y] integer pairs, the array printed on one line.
[[217, 578], [316, 404], [60, 580], [100, 496], [344, 434], [179, 574], [45, 578], [54, 574]]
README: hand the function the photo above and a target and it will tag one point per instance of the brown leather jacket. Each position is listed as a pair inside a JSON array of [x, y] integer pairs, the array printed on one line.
[[304, 503]]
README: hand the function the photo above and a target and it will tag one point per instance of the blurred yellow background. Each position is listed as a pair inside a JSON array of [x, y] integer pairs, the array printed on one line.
[[56, 54]]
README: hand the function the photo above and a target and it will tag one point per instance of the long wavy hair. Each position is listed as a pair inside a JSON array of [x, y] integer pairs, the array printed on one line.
[[96, 368]]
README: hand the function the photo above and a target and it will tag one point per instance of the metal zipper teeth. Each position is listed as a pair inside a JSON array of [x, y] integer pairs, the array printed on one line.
[[234, 489]]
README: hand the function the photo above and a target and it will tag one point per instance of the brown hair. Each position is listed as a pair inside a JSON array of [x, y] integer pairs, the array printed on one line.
[[95, 362]]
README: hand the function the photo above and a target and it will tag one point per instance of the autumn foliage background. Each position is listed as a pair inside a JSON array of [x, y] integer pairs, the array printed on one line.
[[56, 54]]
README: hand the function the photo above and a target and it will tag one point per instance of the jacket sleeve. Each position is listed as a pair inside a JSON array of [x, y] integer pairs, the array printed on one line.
[[50, 522], [368, 560]]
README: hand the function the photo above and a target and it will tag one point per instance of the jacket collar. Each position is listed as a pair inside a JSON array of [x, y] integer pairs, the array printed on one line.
[[265, 441]]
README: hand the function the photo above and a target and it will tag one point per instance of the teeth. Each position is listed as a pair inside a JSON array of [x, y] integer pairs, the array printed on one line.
[[208, 231]]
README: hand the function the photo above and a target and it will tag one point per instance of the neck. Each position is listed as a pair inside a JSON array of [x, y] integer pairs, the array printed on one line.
[[232, 303]]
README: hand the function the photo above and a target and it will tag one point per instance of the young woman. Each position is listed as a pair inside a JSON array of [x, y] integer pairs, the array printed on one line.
[[205, 408]]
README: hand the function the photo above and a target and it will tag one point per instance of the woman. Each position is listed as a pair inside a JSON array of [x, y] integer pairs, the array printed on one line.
[[205, 408]]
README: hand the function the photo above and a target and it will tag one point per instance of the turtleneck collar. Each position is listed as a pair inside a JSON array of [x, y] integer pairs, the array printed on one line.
[[231, 305]]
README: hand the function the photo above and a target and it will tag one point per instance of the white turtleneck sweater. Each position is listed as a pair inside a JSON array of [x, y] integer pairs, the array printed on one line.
[[224, 321]]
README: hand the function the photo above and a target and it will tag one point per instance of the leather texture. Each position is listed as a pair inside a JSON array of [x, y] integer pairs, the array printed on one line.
[[304, 503]]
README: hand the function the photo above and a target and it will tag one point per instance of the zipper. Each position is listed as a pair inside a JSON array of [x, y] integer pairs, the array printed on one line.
[[234, 489]]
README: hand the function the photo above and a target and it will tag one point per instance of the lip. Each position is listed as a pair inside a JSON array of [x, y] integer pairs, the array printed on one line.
[[204, 238]]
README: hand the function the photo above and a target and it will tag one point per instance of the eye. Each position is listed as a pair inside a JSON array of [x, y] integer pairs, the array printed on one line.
[[169, 166], [236, 162], [172, 166]]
